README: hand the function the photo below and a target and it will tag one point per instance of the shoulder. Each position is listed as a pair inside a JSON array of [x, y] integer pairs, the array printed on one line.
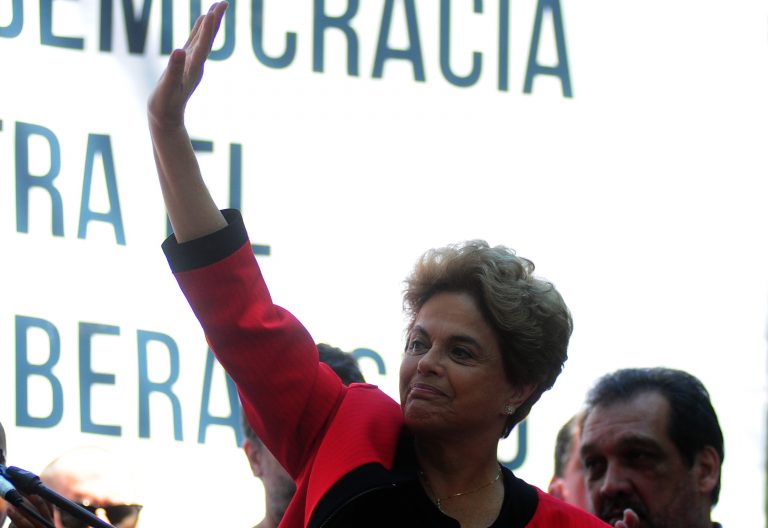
[[554, 512], [371, 410]]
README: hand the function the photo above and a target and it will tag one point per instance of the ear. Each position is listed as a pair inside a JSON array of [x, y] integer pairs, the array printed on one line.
[[706, 468], [517, 395], [557, 488], [253, 453]]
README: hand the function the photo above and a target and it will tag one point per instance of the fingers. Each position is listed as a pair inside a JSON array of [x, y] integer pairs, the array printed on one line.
[[219, 11], [21, 519], [166, 102], [203, 34], [630, 520], [201, 40], [184, 71], [194, 32], [174, 70]]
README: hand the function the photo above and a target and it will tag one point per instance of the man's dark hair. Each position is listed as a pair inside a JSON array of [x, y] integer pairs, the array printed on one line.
[[693, 422], [564, 443], [342, 363]]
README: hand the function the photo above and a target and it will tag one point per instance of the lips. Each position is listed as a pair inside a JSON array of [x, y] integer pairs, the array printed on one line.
[[425, 391]]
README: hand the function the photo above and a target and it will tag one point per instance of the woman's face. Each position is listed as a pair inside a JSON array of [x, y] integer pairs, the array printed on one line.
[[452, 377]]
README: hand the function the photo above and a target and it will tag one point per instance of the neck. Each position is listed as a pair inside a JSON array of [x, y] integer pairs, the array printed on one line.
[[456, 467], [463, 480]]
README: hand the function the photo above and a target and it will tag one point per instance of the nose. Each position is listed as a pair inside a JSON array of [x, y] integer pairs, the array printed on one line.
[[430, 362], [615, 481]]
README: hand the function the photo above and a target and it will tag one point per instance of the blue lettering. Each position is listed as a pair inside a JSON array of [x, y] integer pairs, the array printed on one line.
[[235, 176], [323, 22], [522, 447], [105, 25], [360, 353], [25, 180], [166, 27], [88, 378], [534, 68], [503, 45], [136, 29], [25, 369], [100, 144], [412, 53], [147, 387], [257, 38], [13, 29], [206, 418], [47, 38], [445, 48]]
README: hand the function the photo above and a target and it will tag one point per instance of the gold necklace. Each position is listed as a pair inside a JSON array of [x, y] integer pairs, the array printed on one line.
[[439, 501]]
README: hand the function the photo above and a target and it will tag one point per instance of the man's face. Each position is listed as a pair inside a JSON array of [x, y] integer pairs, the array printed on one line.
[[630, 462], [279, 487], [99, 481], [573, 476], [570, 486]]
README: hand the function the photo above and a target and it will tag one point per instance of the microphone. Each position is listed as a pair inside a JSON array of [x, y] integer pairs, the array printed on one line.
[[12, 495], [8, 491], [31, 483]]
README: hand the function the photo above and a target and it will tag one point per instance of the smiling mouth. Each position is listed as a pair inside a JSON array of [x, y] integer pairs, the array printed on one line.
[[424, 391]]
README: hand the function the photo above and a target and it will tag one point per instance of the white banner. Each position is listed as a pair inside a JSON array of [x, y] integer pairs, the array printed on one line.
[[621, 147]]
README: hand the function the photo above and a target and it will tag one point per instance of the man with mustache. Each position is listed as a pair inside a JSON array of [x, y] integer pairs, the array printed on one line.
[[652, 449]]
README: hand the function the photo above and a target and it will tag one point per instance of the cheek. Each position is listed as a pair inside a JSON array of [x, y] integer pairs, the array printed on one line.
[[407, 370]]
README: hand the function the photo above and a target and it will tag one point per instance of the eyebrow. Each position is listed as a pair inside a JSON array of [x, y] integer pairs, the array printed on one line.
[[632, 441], [456, 337]]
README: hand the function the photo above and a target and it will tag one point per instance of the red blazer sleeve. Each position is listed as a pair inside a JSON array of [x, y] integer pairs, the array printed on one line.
[[287, 395]]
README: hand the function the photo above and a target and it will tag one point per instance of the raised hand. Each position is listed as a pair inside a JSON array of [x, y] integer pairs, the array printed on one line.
[[184, 71], [189, 204]]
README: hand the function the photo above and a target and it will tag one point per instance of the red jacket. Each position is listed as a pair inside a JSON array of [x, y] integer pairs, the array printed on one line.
[[337, 442]]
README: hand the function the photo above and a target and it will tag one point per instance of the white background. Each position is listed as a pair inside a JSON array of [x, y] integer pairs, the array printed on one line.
[[642, 197]]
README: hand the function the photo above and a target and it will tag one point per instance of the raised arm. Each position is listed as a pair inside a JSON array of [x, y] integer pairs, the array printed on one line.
[[191, 209]]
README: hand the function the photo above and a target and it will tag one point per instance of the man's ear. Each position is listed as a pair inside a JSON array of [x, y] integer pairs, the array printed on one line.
[[706, 468], [253, 452], [557, 488]]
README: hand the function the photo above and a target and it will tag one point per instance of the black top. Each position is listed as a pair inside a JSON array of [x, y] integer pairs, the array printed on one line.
[[396, 498]]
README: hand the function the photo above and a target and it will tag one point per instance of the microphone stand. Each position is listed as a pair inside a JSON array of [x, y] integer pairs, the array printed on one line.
[[31, 483], [32, 512]]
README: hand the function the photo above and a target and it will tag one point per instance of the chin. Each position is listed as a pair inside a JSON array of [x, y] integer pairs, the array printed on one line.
[[420, 421]]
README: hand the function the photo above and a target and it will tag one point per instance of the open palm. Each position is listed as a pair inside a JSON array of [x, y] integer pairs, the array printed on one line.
[[184, 71]]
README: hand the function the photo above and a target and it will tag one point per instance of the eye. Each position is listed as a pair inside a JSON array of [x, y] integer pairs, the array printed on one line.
[[462, 354], [640, 458], [416, 346], [594, 466]]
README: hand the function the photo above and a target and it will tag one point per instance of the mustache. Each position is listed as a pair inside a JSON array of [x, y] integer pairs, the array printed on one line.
[[613, 507]]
